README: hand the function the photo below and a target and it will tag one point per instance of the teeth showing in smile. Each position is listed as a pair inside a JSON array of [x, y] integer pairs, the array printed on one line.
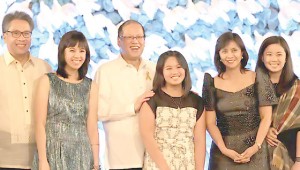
[[76, 61], [134, 47], [175, 77], [230, 61], [274, 64]]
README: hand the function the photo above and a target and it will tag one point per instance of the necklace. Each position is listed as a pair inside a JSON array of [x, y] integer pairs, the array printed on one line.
[[177, 104], [275, 85], [73, 96]]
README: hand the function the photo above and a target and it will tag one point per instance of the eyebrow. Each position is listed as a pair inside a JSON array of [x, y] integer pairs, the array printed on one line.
[[172, 65], [16, 30], [78, 47], [275, 52]]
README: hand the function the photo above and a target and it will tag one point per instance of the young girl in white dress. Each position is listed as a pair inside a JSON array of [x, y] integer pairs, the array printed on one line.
[[172, 122]]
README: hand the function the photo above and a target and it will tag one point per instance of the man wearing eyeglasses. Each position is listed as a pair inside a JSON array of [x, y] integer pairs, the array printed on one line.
[[124, 84], [19, 72]]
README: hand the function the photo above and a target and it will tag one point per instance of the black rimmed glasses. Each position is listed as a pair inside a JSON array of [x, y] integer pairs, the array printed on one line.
[[17, 34], [131, 38]]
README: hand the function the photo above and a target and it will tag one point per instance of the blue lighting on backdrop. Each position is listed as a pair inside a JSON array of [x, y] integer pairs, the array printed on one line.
[[189, 26]]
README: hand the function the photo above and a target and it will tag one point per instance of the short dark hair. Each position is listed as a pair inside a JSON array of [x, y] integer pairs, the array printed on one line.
[[222, 41], [287, 76], [159, 80], [14, 16], [120, 29], [70, 39]]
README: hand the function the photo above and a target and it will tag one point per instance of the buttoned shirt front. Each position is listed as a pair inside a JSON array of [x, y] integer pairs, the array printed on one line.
[[17, 140], [120, 85]]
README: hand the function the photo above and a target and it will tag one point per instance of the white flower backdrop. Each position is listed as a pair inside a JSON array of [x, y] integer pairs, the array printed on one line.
[[189, 26]]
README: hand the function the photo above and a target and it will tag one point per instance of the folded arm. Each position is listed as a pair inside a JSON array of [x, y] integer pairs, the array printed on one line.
[[217, 137], [266, 119]]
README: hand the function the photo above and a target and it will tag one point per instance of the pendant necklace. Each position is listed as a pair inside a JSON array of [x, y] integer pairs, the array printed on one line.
[[73, 96], [177, 104]]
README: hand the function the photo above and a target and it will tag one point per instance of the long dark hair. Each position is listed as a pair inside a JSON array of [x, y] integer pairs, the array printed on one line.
[[70, 39], [159, 80], [287, 77], [222, 41]]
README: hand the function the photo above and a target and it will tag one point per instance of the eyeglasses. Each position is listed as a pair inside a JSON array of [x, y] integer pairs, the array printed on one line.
[[17, 34], [139, 37]]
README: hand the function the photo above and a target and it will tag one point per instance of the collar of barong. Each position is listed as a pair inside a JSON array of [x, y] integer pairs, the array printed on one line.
[[286, 116]]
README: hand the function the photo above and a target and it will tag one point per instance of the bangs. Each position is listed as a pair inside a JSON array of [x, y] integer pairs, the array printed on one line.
[[77, 39]]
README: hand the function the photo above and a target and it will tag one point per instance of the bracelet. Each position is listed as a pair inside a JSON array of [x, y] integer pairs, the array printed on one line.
[[258, 145], [297, 159]]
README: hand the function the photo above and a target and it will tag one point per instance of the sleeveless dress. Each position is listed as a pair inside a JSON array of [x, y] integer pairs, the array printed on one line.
[[67, 141], [175, 119], [238, 121]]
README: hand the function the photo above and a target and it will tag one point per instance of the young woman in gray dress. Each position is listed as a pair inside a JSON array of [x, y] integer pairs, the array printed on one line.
[[237, 118], [66, 111]]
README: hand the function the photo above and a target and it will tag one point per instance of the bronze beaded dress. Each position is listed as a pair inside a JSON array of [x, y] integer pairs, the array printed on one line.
[[238, 121], [67, 141]]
